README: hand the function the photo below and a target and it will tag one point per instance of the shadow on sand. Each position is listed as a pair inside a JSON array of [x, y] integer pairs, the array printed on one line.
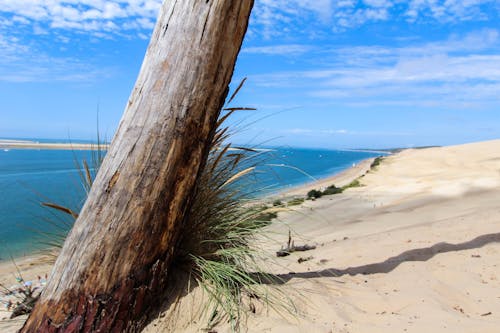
[[386, 266]]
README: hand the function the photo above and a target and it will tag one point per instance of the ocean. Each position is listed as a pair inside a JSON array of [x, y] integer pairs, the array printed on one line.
[[30, 177]]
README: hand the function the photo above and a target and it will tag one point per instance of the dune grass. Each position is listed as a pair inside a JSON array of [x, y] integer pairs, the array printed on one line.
[[215, 248], [376, 162], [216, 243]]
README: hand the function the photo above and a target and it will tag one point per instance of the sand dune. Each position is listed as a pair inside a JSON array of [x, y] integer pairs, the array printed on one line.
[[417, 249]]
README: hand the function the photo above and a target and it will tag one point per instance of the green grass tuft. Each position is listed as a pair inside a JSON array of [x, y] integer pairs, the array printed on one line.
[[295, 202], [332, 189], [376, 162], [277, 203], [215, 247], [314, 194], [354, 183]]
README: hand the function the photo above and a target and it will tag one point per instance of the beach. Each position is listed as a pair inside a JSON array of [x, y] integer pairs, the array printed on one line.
[[415, 248], [25, 144]]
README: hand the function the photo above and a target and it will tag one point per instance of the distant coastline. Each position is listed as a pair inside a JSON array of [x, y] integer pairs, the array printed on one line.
[[392, 150], [6, 144]]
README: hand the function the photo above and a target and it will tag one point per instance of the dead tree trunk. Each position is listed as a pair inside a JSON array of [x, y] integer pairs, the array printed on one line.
[[115, 260]]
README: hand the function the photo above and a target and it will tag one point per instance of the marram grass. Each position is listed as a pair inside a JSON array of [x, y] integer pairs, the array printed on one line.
[[215, 248]]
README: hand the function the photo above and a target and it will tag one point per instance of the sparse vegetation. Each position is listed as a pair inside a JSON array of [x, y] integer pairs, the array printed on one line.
[[354, 183], [295, 202], [21, 299], [376, 162], [266, 216], [332, 189], [277, 203], [214, 249], [314, 194]]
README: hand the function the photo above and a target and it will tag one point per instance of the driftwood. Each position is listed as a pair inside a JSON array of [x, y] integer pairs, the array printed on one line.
[[112, 271], [25, 306], [291, 247]]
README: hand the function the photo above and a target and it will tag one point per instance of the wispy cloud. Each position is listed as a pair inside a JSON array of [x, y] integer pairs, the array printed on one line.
[[21, 62], [285, 49], [89, 16], [458, 72], [448, 10], [270, 17], [274, 17], [27, 27], [336, 132]]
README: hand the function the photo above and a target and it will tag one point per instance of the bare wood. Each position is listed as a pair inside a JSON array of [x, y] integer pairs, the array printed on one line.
[[115, 260]]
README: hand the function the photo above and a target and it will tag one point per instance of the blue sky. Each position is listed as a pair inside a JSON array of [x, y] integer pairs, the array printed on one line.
[[322, 73]]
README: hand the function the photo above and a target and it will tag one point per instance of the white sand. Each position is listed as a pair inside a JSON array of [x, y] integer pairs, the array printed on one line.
[[22, 144], [415, 250], [28, 268], [422, 254]]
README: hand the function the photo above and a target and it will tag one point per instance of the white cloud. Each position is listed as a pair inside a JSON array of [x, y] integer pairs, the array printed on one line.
[[20, 62], [270, 17], [288, 17], [378, 3], [26, 26], [447, 10], [462, 71], [111, 17], [316, 132], [286, 49], [309, 132]]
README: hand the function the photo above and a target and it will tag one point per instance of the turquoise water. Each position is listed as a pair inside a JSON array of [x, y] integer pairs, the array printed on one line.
[[29, 177]]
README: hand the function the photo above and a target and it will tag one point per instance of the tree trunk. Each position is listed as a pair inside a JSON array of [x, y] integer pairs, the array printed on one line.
[[114, 262]]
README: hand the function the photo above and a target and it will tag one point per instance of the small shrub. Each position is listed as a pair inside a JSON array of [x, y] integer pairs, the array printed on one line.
[[354, 183], [332, 189], [295, 202], [277, 203], [266, 217], [314, 194], [376, 162]]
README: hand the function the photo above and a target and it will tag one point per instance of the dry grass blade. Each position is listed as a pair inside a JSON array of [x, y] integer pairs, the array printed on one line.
[[239, 109], [236, 91], [223, 118], [251, 150], [60, 208], [237, 176], [88, 176], [219, 157], [220, 137], [236, 159]]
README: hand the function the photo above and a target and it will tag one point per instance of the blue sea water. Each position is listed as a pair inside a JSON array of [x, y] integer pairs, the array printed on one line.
[[30, 177]]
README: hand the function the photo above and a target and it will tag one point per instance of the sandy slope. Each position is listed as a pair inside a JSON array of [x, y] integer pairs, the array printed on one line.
[[417, 249], [422, 254], [29, 268]]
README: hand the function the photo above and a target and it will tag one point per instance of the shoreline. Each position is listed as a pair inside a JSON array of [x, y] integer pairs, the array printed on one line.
[[32, 266], [404, 252], [339, 179], [34, 145]]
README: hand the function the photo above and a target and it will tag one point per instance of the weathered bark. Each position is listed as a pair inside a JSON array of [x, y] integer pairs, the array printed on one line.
[[114, 262]]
